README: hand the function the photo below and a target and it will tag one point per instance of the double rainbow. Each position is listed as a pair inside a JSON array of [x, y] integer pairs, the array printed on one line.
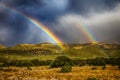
[[85, 30]]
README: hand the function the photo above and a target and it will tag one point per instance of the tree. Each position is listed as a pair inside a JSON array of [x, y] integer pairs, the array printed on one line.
[[61, 61], [98, 62]]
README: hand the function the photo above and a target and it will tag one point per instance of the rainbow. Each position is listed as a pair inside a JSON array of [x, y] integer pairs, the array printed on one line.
[[40, 26], [47, 31], [83, 27], [87, 32]]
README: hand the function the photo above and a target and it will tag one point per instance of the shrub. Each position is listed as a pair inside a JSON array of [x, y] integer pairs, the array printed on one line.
[[3, 60], [66, 68], [44, 63], [29, 68], [92, 78], [35, 62], [104, 67], [5, 64], [1, 69], [94, 68], [23, 63], [98, 62], [79, 62], [119, 66], [61, 61], [48, 62], [7, 70]]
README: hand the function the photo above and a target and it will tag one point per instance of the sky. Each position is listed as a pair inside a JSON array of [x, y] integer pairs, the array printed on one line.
[[67, 19]]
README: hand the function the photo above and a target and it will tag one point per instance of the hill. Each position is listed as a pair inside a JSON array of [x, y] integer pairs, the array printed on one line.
[[50, 51]]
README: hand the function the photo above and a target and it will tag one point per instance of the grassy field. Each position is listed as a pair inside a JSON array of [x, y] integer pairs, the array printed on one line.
[[22, 56], [44, 73]]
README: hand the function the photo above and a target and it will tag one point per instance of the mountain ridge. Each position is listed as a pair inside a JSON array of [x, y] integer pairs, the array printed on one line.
[[83, 51]]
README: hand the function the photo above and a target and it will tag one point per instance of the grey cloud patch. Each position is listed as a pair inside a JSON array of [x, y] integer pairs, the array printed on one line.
[[36, 35], [64, 17], [85, 6], [15, 29], [105, 26], [5, 33], [55, 4], [45, 9], [69, 26]]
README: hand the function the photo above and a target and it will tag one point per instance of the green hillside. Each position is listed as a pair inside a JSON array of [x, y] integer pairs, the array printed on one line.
[[48, 51]]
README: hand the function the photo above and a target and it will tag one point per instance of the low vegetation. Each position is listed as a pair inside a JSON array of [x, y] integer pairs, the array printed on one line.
[[66, 68], [61, 61], [104, 67], [45, 73], [98, 61], [92, 78]]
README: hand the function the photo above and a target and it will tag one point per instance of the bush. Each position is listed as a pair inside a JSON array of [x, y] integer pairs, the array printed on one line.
[[79, 62], [92, 78], [66, 68], [3, 60], [119, 66], [29, 68], [98, 62], [61, 61], [94, 68], [23, 63], [35, 62], [1, 69], [104, 67], [8, 70]]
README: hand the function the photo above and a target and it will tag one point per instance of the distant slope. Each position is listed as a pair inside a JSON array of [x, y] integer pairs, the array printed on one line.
[[82, 51], [32, 49], [86, 51], [112, 50]]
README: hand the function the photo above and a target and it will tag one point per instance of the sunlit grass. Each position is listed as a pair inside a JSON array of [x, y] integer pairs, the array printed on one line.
[[43, 72]]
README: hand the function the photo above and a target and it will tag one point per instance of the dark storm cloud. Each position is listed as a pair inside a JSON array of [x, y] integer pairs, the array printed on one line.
[[104, 25], [11, 27], [85, 6], [20, 26], [14, 28], [44, 9]]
